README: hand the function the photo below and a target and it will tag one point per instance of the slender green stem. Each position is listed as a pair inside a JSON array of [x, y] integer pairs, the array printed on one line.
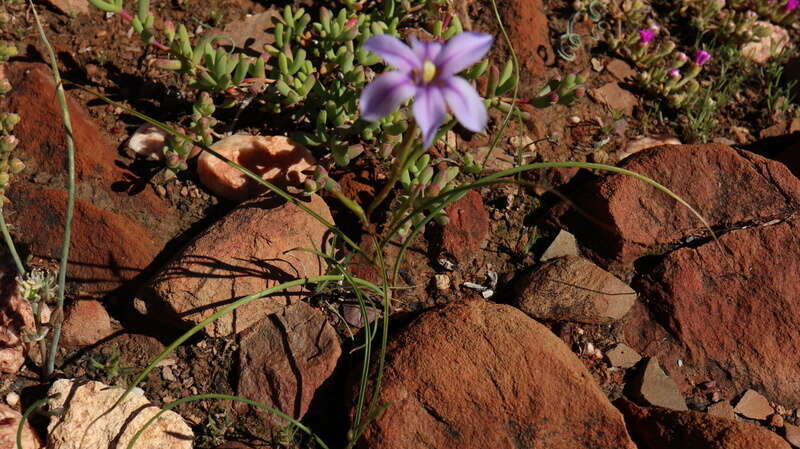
[[507, 39], [10, 243], [24, 419], [62, 268], [397, 168]]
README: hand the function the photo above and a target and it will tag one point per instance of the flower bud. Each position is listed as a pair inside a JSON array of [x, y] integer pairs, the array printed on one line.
[[7, 51], [310, 186], [5, 86], [169, 30], [8, 143], [168, 64], [204, 105], [553, 98], [16, 166], [8, 121], [579, 92]]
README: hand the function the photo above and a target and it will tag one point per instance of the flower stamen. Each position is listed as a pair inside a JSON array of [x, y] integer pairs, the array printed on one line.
[[428, 71]]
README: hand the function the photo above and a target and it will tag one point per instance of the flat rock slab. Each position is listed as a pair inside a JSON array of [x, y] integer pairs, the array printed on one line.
[[753, 405], [661, 428], [283, 360], [260, 244], [481, 375], [89, 421], [727, 187], [574, 289], [728, 314], [653, 387]]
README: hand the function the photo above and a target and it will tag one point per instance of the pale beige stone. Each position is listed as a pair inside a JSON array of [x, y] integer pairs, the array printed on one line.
[[88, 420], [769, 45], [276, 159], [148, 142]]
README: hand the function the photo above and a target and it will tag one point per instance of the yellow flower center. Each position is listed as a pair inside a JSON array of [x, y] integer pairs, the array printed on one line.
[[428, 71]]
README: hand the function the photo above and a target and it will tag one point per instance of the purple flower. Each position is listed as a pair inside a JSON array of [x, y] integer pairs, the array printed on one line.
[[427, 71], [791, 5], [701, 57], [646, 35], [674, 74]]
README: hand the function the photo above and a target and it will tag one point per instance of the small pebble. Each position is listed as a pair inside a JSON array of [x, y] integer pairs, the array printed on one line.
[[574, 119], [776, 420], [442, 282], [12, 399]]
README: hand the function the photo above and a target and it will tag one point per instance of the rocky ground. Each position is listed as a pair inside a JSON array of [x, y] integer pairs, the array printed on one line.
[[585, 310]]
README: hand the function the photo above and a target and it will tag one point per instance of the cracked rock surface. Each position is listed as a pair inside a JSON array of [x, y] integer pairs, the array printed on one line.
[[728, 187]]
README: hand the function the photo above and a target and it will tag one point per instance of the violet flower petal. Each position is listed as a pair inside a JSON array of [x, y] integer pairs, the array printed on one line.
[[394, 52], [462, 51], [385, 94], [429, 111], [465, 104], [425, 51]]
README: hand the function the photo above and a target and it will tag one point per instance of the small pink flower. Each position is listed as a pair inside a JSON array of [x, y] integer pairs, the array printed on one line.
[[701, 57], [674, 74], [791, 5], [646, 35]]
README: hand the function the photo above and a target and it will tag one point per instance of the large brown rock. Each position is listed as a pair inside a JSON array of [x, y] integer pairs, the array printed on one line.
[[727, 186], [482, 375], [106, 249], [574, 289], [661, 428], [728, 312], [258, 245], [118, 231], [285, 359]]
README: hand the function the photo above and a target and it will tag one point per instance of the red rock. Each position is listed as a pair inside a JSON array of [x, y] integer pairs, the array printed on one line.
[[792, 434], [722, 409], [638, 219], [753, 405], [526, 21], [615, 97], [70, 7], [285, 359], [132, 227], [660, 428], [620, 69], [622, 356], [85, 323], [258, 245], [481, 375], [467, 229], [106, 249], [729, 315], [574, 289]]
